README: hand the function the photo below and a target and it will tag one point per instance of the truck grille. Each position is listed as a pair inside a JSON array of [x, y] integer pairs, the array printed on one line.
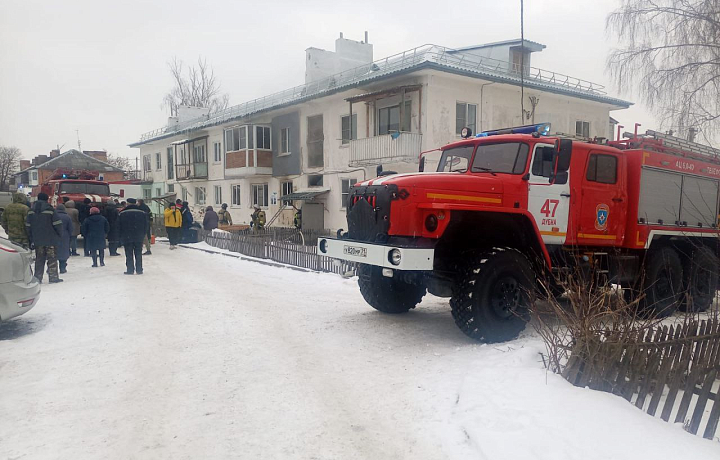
[[368, 212]]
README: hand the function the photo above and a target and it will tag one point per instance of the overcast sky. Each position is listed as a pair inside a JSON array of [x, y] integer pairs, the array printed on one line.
[[101, 67]]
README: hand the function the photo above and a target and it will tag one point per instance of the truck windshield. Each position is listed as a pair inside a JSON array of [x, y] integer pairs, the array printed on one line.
[[84, 188], [455, 160], [508, 157]]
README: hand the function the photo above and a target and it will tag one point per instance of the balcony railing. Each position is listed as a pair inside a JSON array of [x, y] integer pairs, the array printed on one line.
[[388, 148], [191, 171]]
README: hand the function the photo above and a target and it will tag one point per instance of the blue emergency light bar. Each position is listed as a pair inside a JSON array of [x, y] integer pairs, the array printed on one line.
[[542, 129]]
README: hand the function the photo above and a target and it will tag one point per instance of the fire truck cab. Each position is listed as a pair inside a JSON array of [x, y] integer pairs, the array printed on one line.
[[76, 185], [509, 208]]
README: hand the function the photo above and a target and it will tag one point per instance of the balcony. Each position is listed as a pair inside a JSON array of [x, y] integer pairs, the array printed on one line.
[[191, 171], [249, 162], [388, 148]]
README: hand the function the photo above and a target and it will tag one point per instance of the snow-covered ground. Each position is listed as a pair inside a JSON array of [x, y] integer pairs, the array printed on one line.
[[211, 357]]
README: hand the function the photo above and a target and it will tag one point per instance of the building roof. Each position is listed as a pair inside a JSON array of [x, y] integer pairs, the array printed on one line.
[[74, 159], [530, 45], [435, 57]]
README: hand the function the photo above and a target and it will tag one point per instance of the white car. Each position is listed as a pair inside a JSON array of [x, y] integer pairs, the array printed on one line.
[[19, 289]]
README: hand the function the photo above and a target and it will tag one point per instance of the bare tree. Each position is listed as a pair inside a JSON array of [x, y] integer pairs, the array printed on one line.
[[198, 87], [670, 52], [9, 164], [123, 163]]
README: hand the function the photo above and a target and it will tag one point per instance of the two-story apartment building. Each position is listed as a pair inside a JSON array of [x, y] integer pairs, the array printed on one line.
[[309, 143]]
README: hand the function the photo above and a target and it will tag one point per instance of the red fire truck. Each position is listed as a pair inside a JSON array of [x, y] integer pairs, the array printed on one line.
[[505, 209], [76, 185]]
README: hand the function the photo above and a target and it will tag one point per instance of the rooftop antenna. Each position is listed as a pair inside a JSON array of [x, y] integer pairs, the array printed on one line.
[[77, 131]]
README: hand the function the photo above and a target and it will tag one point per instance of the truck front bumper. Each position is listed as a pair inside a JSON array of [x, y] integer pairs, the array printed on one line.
[[395, 257]]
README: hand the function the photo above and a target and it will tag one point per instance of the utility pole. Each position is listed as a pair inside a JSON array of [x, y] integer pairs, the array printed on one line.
[[77, 131]]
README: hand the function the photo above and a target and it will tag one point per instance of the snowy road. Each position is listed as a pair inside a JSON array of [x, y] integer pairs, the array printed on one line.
[[207, 356]]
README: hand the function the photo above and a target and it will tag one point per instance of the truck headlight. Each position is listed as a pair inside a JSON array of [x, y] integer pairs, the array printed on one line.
[[395, 257]]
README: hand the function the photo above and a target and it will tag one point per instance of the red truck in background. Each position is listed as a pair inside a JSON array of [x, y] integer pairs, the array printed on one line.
[[507, 208], [76, 185]]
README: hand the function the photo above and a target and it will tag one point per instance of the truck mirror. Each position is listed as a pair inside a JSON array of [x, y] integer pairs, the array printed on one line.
[[563, 152], [378, 170], [421, 168]]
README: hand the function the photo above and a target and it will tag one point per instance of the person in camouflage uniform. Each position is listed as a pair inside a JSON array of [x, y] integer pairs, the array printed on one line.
[[44, 228], [13, 220]]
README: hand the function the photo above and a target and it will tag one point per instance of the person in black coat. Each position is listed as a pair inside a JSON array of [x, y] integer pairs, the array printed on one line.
[[113, 236], [94, 229], [44, 228], [63, 250], [83, 213], [148, 236], [187, 222], [210, 221], [133, 225]]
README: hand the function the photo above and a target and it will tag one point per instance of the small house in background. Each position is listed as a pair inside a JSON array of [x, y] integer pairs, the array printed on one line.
[[35, 172]]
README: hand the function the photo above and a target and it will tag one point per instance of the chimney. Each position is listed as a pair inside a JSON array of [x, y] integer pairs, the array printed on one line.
[[40, 159], [341, 35], [366, 37], [24, 164], [691, 134], [97, 154], [54, 153]]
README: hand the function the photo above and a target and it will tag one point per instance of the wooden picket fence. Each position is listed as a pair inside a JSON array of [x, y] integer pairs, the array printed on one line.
[[283, 245], [672, 369]]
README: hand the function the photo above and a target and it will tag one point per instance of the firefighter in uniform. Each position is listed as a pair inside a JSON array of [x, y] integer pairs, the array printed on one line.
[[13, 220], [44, 228], [224, 217], [258, 219]]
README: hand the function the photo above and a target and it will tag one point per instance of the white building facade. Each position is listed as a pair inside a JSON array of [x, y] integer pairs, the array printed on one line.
[[315, 140]]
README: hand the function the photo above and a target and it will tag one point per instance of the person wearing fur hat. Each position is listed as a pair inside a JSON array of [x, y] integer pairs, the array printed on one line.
[[95, 229], [44, 230]]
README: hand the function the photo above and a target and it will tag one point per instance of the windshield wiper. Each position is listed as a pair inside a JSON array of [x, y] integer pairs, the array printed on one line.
[[481, 169]]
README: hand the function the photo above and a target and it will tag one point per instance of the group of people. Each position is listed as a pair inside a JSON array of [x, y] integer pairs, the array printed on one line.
[[52, 231], [178, 223]]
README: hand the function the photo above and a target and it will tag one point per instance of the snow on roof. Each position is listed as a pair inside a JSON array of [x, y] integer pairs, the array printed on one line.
[[435, 57]]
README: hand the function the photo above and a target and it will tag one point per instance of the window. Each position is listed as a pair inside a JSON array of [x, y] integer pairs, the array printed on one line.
[[146, 163], [543, 162], [218, 194], [456, 160], [262, 141], [199, 154], [349, 128], [260, 195], [34, 175], [315, 180], [345, 185], [236, 195], [217, 152], [286, 188], [170, 168], [508, 157], [582, 129], [158, 191], [285, 140], [389, 119], [236, 138], [315, 141], [158, 161], [465, 115], [602, 169], [146, 194], [84, 188], [171, 188], [199, 195]]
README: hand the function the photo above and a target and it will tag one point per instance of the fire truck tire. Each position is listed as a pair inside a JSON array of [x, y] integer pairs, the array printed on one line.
[[388, 295], [663, 283], [491, 302], [701, 279]]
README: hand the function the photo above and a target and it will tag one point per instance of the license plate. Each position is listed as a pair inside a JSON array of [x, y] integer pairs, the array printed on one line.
[[355, 251]]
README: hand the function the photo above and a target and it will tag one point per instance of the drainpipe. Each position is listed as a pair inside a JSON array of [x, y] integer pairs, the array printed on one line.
[[482, 89]]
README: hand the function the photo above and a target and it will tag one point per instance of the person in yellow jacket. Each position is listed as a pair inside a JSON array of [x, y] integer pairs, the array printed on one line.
[[173, 225]]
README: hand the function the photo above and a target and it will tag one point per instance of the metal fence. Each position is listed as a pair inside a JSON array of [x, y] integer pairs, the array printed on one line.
[[284, 245]]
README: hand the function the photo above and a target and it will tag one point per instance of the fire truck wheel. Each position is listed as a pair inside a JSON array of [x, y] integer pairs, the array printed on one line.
[[663, 283], [701, 279], [491, 302], [388, 295]]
